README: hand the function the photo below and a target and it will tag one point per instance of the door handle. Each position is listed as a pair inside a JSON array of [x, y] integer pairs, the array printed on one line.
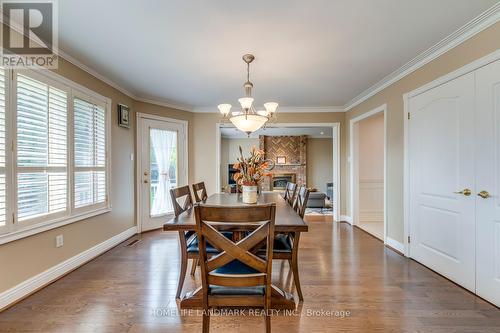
[[145, 181], [484, 194], [465, 192]]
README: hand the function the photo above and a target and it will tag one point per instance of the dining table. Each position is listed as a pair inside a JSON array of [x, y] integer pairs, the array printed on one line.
[[287, 221]]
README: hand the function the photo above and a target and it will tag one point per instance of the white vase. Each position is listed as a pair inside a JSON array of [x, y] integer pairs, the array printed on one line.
[[249, 194]]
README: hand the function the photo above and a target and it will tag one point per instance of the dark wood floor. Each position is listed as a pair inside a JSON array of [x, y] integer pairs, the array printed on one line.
[[132, 289]]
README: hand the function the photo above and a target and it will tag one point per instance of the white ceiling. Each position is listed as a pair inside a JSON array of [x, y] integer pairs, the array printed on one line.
[[314, 53], [312, 132]]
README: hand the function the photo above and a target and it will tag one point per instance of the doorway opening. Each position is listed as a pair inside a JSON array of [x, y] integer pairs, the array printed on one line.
[[307, 154], [368, 172]]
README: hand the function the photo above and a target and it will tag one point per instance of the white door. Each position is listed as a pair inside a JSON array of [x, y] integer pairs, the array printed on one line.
[[488, 179], [162, 167], [441, 162]]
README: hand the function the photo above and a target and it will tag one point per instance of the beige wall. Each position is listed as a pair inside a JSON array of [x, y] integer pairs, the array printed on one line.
[[319, 163], [369, 133], [230, 152], [29, 256], [206, 167], [478, 46]]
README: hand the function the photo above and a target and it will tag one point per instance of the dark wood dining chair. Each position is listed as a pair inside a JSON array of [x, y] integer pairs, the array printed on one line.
[[290, 191], [301, 199], [286, 245], [182, 201], [200, 192], [236, 277]]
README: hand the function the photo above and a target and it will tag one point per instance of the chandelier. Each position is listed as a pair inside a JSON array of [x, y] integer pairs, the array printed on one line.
[[248, 120]]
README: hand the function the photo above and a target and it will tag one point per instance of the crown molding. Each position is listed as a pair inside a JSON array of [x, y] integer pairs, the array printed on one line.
[[283, 109], [118, 87], [470, 29], [94, 73], [171, 105]]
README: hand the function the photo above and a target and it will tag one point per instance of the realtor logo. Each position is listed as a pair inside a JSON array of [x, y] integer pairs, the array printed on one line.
[[29, 33]]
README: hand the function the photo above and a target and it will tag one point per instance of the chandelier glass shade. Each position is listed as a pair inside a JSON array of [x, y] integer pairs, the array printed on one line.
[[248, 120]]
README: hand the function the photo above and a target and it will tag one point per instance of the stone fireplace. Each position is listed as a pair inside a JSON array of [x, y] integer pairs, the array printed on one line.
[[291, 149]]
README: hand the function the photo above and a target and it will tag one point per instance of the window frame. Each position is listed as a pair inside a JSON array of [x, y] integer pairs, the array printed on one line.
[[14, 229]]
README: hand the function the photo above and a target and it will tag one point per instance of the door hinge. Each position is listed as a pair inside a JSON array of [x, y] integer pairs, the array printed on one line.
[[408, 115], [409, 239]]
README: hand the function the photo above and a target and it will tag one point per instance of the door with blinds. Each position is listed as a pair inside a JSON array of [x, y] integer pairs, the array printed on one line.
[[163, 165]]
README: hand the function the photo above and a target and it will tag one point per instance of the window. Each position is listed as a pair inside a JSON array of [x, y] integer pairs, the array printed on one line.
[[90, 153], [55, 135], [42, 157]]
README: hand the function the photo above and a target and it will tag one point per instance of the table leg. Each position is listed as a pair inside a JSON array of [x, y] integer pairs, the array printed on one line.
[[295, 264]]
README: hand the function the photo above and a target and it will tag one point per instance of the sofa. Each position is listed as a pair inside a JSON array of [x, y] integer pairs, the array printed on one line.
[[316, 200]]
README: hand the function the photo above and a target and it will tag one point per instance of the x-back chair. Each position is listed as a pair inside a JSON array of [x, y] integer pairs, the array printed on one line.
[[290, 191], [200, 192], [185, 238], [236, 276]]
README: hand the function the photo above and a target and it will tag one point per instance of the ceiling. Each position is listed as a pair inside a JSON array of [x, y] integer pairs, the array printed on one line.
[[311, 132], [314, 53]]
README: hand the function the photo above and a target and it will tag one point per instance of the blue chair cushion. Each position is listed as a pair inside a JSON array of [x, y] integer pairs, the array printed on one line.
[[235, 267], [193, 246], [282, 244], [188, 234], [251, 291]]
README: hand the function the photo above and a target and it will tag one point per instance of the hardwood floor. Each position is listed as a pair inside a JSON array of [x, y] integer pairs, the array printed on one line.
[[132, 289]]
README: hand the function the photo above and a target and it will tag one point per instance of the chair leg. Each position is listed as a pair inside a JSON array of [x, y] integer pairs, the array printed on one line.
[[206, 322], [268, 323], [295, 265], [193, 267], [184, 262]]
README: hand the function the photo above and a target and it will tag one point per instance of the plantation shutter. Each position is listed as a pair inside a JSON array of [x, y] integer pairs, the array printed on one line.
[[90, 153], [2, 149], [41, 149]]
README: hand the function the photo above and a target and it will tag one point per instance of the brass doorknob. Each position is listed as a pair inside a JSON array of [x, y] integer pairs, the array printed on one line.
[[465, 192], [145, 181], [484, 194]]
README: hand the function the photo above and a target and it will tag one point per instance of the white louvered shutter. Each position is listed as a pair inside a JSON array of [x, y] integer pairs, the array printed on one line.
[[41, 149], [90, 153], [2, 149]]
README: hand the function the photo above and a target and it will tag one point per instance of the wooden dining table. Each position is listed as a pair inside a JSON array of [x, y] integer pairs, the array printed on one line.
[[287, 221]]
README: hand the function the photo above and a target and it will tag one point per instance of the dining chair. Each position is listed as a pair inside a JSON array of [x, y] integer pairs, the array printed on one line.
[[290, 191], [236, 277], [286, 245], [186, 238], [200, 192], [301, 199]]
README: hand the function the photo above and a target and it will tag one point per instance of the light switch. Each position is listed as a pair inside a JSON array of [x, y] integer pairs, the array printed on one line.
[[59, 240]]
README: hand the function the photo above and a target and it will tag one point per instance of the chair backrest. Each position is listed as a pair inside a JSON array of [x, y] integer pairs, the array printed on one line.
[[200, 192], [301, 201], [290, 191], [182, 193], [260, 219]]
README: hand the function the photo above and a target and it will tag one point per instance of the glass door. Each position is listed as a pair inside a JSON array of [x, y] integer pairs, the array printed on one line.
[[162, 168]]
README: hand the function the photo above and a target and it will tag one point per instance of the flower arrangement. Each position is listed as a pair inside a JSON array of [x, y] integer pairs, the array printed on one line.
[[253, 169]]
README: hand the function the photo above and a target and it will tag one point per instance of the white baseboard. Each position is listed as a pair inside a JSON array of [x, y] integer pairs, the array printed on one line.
[[346, 218], [395, 244], [38, 281]]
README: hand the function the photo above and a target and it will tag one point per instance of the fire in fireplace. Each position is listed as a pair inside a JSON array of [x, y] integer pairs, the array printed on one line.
[[280, 180]]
